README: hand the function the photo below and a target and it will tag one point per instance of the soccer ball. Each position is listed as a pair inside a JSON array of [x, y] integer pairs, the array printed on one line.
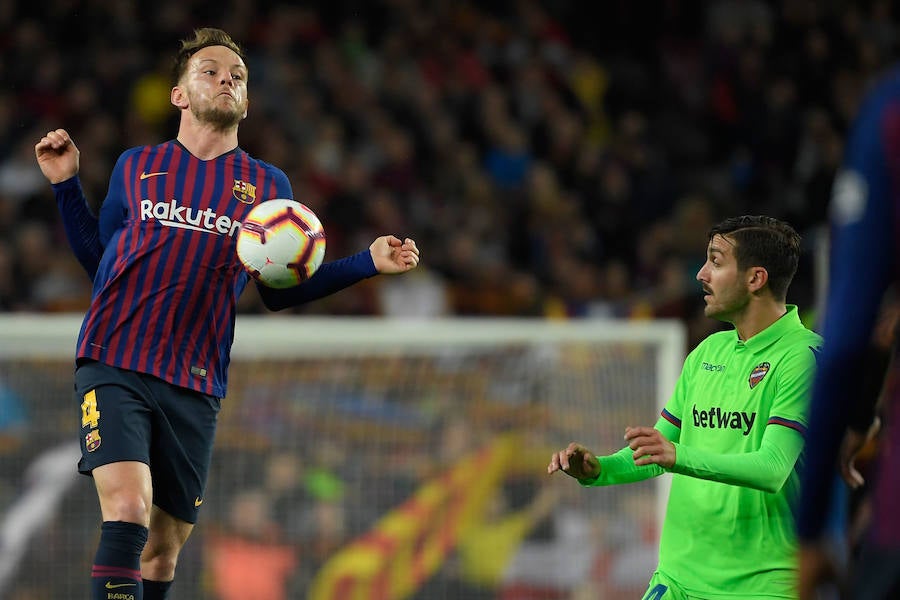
[[281, 243]]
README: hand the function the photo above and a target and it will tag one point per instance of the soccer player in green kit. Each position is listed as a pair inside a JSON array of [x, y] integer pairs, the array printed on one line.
[[732, 431]]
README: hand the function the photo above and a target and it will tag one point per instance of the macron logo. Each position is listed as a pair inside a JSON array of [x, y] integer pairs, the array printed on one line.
[[171, 214], [716, 418]]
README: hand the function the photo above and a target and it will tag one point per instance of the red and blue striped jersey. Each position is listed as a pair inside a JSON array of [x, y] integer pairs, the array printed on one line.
[[163, 261], [167, 283], [865, 246]]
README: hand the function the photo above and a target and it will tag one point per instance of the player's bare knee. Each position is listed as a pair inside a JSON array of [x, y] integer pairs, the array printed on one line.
[[126, 506]]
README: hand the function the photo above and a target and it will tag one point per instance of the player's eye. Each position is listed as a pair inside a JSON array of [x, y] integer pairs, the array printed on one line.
[[209, 72], [237, 76]]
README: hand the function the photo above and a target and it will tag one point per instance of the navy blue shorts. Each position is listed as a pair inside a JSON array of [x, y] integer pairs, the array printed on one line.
[[130, 416]]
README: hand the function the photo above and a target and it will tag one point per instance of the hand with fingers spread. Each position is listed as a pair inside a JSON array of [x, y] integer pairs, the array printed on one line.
[[392, 256], [650, 447], [575, 461], [57, 156]]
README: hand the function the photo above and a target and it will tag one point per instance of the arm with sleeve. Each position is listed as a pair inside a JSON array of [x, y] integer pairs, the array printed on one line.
[[765, 469], [88, 234], [80, 224], [329, 278]]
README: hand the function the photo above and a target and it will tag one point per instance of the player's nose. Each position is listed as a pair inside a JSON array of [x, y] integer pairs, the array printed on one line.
[[700, 274]]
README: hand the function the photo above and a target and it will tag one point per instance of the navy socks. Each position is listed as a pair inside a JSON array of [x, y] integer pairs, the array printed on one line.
[[156, 590], [117, 565]]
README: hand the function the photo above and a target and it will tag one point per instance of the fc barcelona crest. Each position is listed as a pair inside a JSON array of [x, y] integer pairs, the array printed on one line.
[[759, 371], [92, 440], [243, 191]]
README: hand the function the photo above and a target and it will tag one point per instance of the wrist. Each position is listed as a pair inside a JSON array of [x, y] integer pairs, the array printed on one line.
[[69, 181], [590, 479]]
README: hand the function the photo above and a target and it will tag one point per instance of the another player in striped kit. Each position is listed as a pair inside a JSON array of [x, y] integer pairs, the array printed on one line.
[[153, 351], [865, 217]]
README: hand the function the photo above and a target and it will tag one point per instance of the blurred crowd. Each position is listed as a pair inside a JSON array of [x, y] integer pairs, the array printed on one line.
[[551, 158]]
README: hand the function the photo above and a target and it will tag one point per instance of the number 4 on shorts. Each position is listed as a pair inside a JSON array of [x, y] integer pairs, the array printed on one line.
[[89, 413]]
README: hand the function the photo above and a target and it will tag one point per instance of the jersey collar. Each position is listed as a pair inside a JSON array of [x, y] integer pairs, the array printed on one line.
[[235, 150], [788, 322]]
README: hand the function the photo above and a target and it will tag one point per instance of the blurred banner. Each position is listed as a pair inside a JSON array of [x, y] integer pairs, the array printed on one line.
[[410, 543]]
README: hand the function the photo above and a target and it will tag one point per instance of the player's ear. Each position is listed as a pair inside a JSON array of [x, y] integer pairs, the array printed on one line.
[[178, 98], [757, 278], [246, 110]]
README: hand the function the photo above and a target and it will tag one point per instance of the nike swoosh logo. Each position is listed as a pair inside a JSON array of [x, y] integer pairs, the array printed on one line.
[[198, 501], [145, 175], [112, 586]]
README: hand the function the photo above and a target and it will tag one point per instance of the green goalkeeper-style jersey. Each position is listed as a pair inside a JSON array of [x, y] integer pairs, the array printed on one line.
[[737, 418]]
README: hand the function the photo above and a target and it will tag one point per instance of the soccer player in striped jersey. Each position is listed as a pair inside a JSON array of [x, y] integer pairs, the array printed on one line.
[[153, 351], [865, 217], [732, 431]]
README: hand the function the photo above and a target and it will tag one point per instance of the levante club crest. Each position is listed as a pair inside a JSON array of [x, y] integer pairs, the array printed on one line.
[[759, 371]]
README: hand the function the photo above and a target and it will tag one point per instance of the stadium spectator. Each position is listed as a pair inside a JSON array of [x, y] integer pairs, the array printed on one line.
[[249, 560]]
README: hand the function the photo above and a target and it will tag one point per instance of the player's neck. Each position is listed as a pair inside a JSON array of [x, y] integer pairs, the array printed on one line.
[[205, 142], [757, 316]]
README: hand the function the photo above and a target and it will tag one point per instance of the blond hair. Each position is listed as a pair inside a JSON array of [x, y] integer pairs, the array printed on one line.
[[203, 37]]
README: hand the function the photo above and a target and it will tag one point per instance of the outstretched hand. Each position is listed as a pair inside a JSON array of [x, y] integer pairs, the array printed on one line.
[[575, 460], [57, 156], [650, 447], [391, 255]]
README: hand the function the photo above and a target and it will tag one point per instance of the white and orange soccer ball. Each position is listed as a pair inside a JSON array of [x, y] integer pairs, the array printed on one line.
[[281, 243]]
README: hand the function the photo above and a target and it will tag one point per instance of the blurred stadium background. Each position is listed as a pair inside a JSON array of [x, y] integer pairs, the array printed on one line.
[[367, 458], [556, 160]]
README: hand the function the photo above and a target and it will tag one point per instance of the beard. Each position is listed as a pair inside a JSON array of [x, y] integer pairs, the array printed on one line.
[[726, 305], [218, 117]]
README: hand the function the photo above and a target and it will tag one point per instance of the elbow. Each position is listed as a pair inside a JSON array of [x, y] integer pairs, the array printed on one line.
[[90, 266], [271, 300], [273, 305], [771, 487], [773, 484]]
